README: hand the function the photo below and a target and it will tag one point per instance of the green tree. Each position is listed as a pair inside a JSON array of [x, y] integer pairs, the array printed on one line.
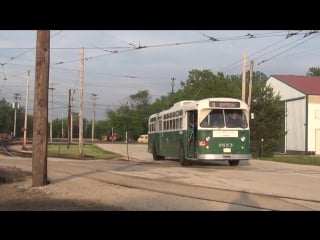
[[163, 102], [101, 128], [6, 116], [268, 110], [205, 84], [118, 121], [268, 119], [313, 71], [7, 119], [139, 113], [59, 126], [132, 117]]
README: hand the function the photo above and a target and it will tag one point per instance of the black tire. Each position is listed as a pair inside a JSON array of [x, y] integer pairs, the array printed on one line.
[[182, 157], [154, 153], [233, 162]]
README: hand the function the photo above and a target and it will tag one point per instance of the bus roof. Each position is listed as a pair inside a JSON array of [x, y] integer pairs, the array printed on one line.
[[191, 104], [183, 103]]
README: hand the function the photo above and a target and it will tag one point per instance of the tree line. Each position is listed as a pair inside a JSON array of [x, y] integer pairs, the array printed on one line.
[[132, 117]]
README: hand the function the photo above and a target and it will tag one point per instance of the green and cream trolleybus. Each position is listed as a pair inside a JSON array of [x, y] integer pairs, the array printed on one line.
[[210, 129]]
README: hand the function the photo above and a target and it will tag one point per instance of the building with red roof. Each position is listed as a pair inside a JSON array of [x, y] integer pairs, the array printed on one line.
[[301, 97]]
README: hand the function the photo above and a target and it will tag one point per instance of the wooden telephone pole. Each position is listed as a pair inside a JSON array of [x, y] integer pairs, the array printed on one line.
[[40, 110], [172, 85], [244, 63], [15, 107], [51, 112], [69, 119], [81, 103], [250, 84], [24, 145]]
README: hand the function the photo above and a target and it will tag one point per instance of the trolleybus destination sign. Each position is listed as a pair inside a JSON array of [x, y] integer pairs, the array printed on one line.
[[224, 104]]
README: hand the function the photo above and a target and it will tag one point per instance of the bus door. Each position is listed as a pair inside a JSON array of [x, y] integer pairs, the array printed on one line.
[[160, 133], [192, 131]]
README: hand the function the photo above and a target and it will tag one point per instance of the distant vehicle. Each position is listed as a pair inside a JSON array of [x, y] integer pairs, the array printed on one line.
[[143, 138], [104, 138], [115, 137], [5, 137], [130, 140]]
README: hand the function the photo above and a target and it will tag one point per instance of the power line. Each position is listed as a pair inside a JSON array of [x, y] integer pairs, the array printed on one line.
[[264, 61]]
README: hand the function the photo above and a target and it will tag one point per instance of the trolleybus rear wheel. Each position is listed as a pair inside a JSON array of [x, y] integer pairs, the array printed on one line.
[[154, 153], [182, 158], [233, 162]]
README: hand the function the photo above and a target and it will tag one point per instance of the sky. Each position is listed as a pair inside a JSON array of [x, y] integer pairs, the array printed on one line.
[[119, 63]]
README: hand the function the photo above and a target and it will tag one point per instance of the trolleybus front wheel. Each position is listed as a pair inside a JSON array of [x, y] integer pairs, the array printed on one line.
[[233, 162]]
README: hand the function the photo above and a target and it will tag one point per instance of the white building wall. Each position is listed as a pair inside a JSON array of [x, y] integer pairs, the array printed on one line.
[[313, 121], [285, 91], [295, 125]]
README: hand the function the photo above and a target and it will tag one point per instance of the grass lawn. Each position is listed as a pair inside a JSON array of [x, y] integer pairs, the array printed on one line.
[[297, 159], [92, 151], [89, 151]]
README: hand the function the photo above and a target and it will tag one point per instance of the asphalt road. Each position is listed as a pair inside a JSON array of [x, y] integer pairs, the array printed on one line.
[[294, 182], [166, 185]]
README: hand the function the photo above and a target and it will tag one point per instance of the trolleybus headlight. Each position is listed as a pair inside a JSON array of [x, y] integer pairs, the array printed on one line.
[[208, 138], [243, 139]]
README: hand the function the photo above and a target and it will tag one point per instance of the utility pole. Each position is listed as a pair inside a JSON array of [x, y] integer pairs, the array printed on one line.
[[93, 97], [112, 134], [172, 85], [81, 103], [62, 133], [250, 84], [40, 110], [244, 77], [24, 146], [127, 116], [51, 112], [15, 106], [69, 119]]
